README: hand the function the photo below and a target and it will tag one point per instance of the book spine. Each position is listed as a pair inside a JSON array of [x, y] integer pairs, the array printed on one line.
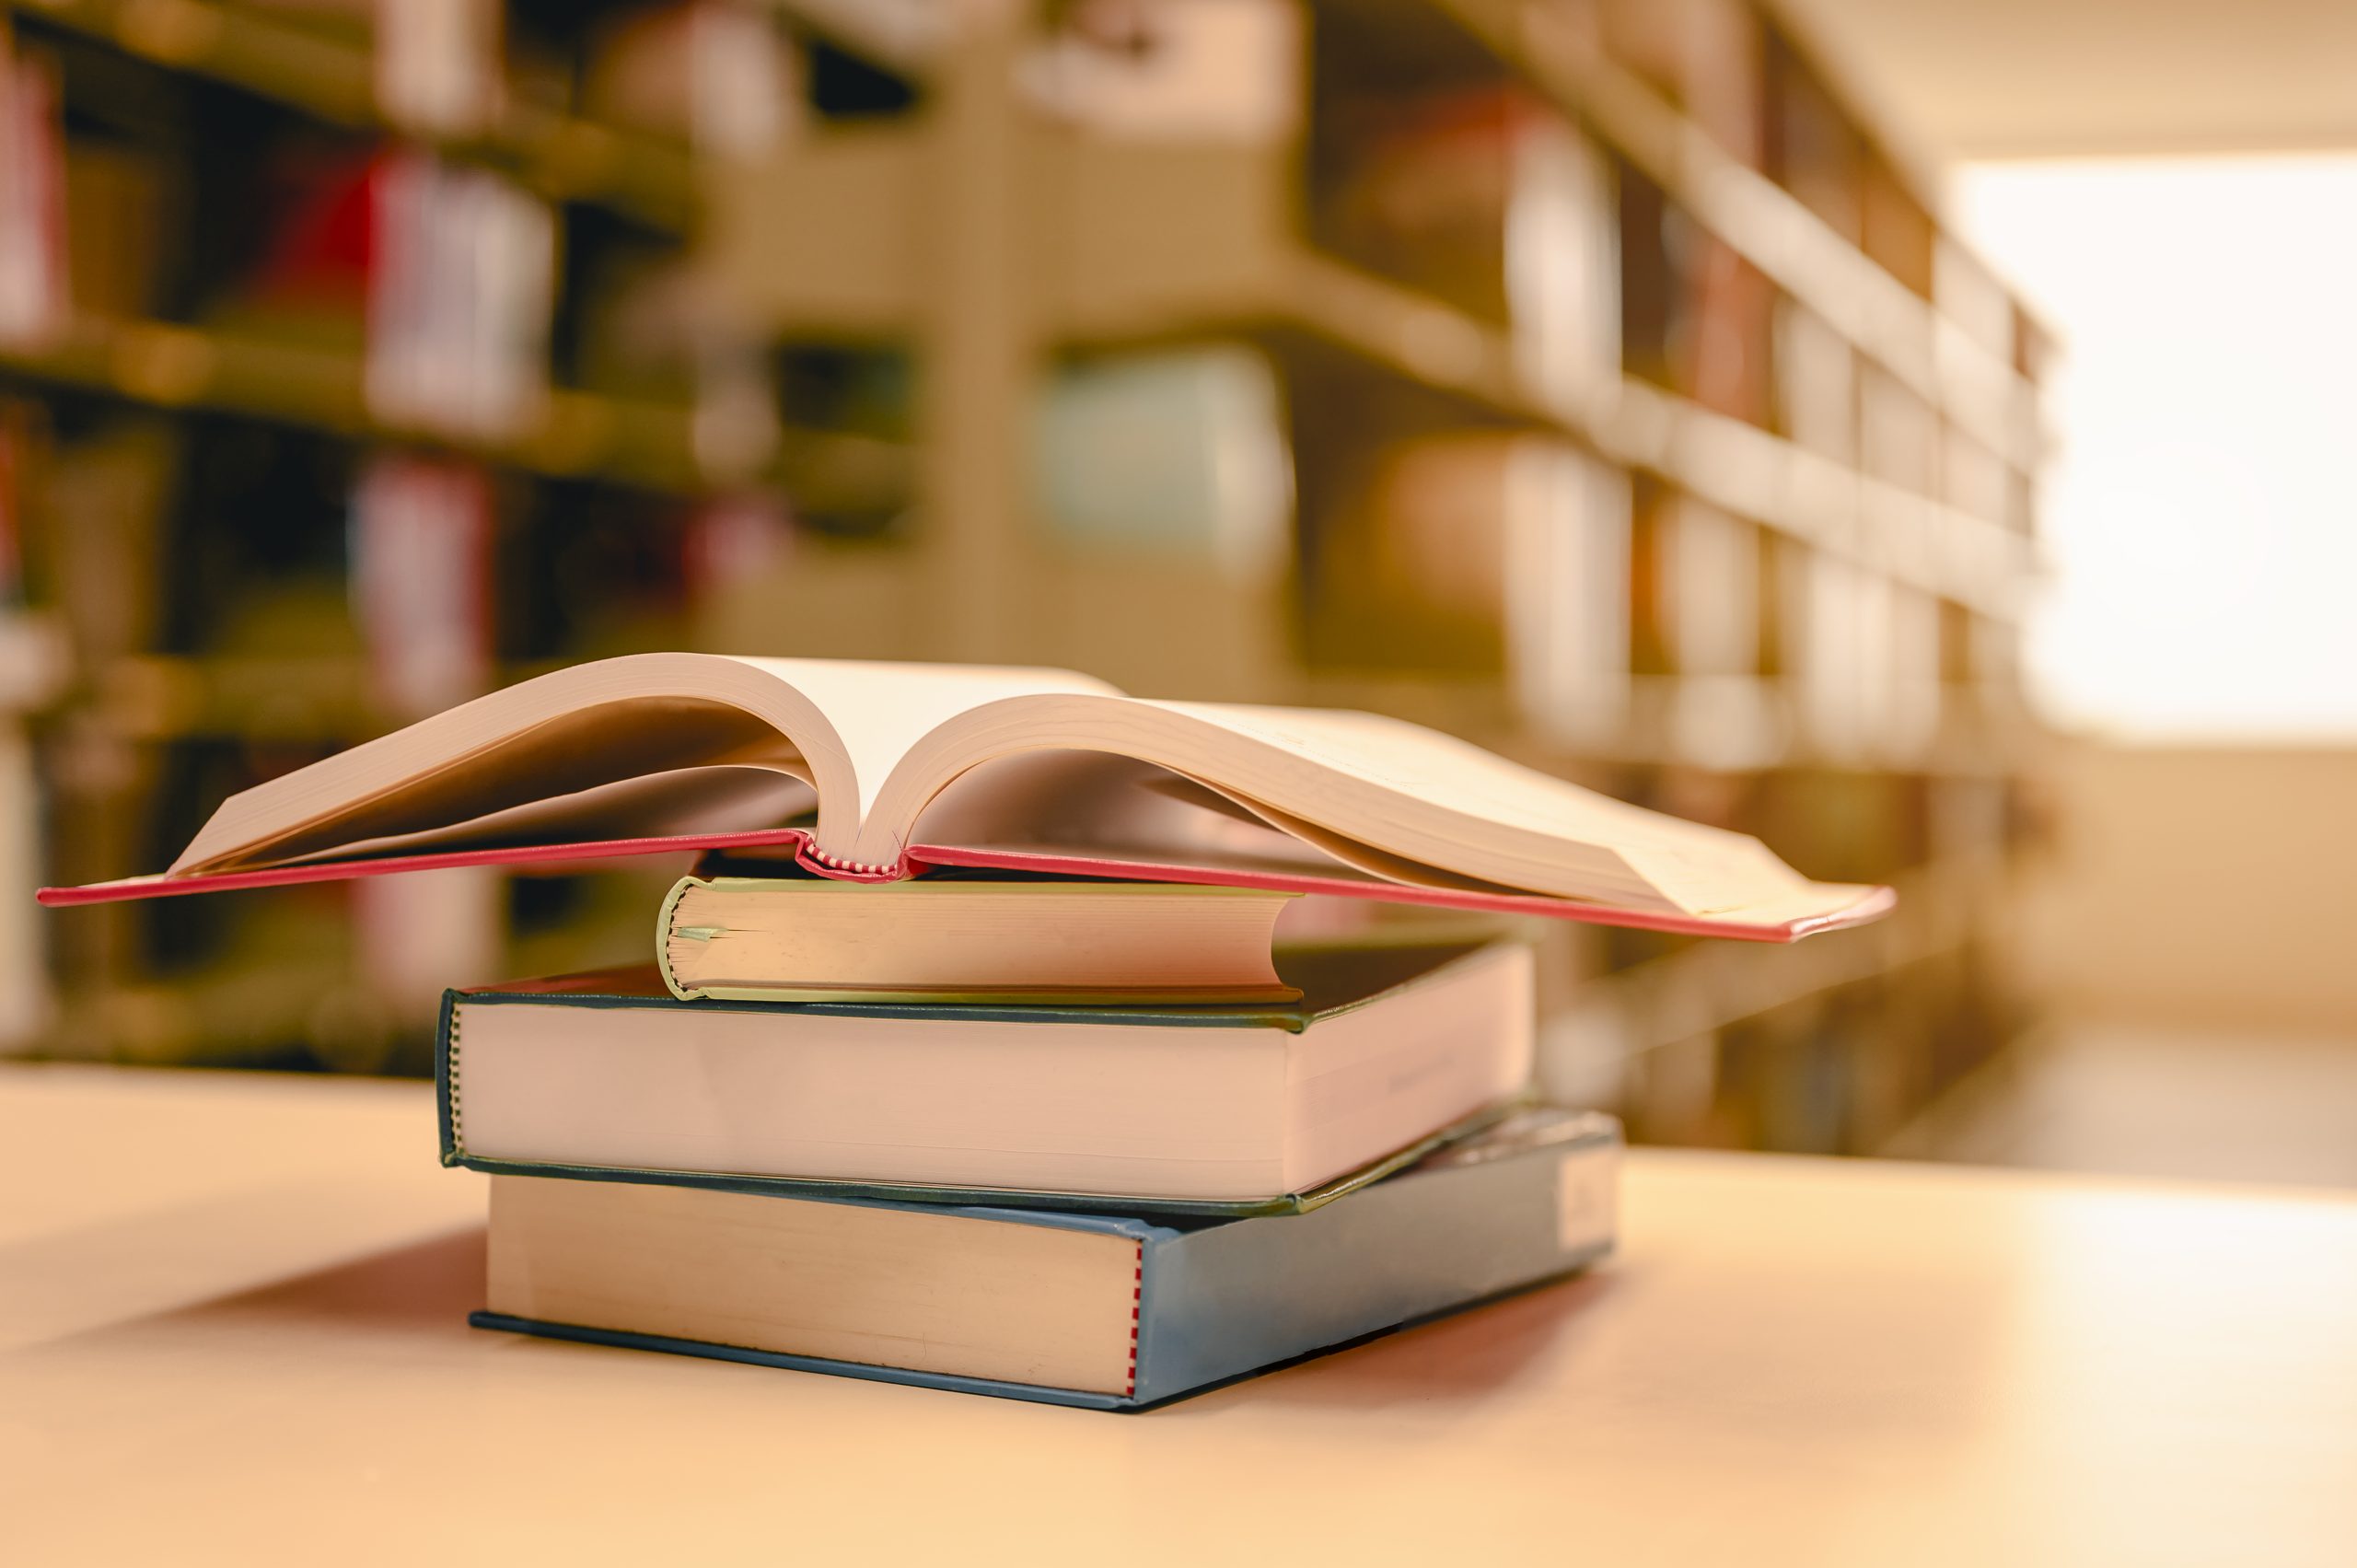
[[1226, 1300], [445, 1076], [663, 921], [810, 857]]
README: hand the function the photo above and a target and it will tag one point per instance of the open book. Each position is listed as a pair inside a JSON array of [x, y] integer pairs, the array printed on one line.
[[896, 768]]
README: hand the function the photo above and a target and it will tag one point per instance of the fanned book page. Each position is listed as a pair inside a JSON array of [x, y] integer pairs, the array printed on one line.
[[876, 772]]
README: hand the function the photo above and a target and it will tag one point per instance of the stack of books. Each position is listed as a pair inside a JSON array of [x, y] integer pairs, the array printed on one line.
[[996, 1078], [1080, 1141]]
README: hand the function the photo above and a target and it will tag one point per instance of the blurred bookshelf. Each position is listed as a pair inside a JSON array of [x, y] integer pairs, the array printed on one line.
[[1582, 377]]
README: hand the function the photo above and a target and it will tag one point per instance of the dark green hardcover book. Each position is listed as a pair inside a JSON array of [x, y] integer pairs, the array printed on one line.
[[1212, 1110]]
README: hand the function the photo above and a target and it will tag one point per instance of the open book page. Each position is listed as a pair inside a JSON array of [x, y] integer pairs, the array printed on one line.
[[1698, 868], [881, 710], [678, 743], [722, 798], [1383, 796], [648, 743], [440, 781], [1695, 866], [1094, 803]]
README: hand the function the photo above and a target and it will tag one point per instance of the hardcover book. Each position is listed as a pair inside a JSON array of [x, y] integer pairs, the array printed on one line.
[[1208, 1109], [1040, 941], [1067, 1308], [901, 767]]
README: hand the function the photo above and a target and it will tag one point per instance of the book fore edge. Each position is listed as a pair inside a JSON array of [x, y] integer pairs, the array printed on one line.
[[458, 1152]]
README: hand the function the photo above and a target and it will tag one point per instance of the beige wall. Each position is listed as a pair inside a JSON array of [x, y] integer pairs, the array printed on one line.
[[2215, 888]]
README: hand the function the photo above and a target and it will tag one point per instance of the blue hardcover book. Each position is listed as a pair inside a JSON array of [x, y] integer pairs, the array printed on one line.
[[1068, 1309]]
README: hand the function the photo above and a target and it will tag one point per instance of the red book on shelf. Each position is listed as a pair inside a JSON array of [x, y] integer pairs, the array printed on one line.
[[33, 291], [879, 771]]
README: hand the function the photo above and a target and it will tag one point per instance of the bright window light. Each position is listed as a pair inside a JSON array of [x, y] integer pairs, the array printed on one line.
[[2201, 517]]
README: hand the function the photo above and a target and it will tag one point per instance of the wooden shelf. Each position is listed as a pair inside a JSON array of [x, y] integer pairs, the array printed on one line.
[[162, 697], [229, 1018], [1160, 243], [160, 365], [331, 79], [1876, 313], [857, 275], [1746, 470], [1761, 477], [1481, 708], [868, 286]]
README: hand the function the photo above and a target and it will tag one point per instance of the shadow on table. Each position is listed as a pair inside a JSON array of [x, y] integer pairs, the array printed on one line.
[[1459, 1357], [431, 1283], [427, 1288]]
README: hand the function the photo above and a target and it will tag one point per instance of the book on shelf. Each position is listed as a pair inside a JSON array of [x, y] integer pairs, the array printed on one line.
[[1486, 197], [1696, 317], [1816, 384], [1896, 231], [1422, 572], [1487, 553], [906, 766], [1095, 1310], [117, 234], [437, 64], [33, 277], [1562, 267], [461, 283], [27, 1004], [297, 277], [410, 935], [1708, 576], [1705, 56], [1710, 581], [1567, 595], [30, 669], [420, 539], [21, 437], [1222, 1108], [1865, 661], [1811, 148], [1910, 690], [1178, 455], [1827, 622], [635, 312], [1723, 336], [1899, 433], [106, 497], [1039, 941], [721, 77]]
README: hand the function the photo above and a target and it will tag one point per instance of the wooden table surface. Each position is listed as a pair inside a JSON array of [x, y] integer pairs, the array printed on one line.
[[232, 1330]]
